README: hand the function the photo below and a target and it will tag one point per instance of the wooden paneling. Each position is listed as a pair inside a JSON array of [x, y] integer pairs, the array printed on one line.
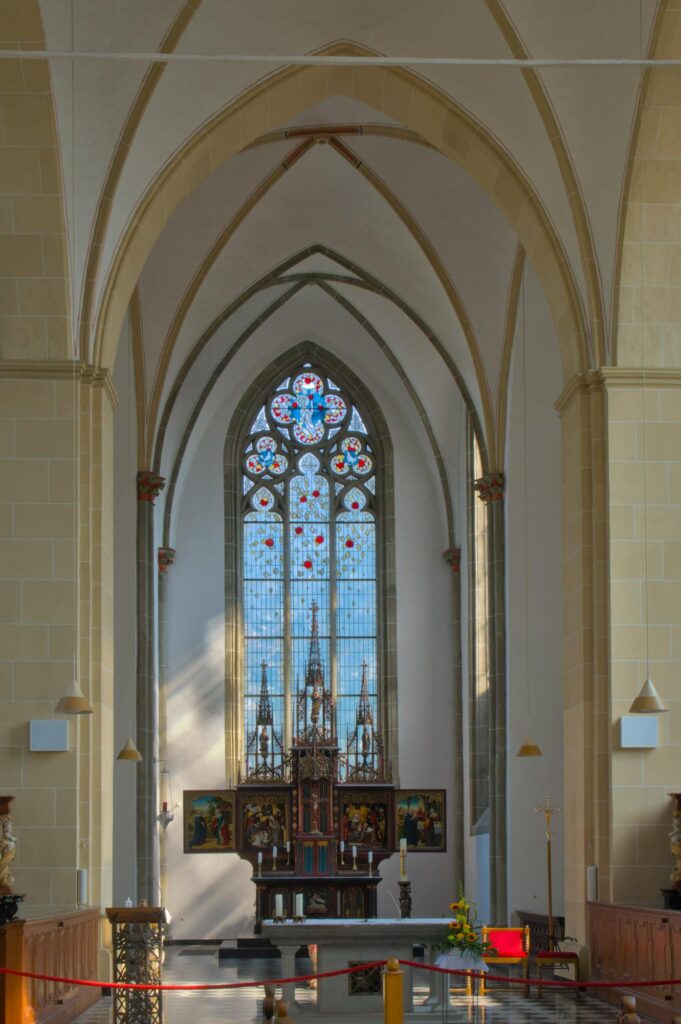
[[630, 944], [65, 946]]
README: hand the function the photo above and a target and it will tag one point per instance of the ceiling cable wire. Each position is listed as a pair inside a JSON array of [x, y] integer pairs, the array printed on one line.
[[321, 60]]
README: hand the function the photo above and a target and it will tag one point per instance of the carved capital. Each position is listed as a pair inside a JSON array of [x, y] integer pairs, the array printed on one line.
[[149, 485], [453, 557], [490, 487], [166, 557]]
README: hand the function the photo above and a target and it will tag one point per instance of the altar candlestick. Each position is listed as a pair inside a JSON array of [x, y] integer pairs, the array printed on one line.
[[259, 863], [341, 847], [299, 904], [278, 905], [370, 859], [354, 858], [288, 852], [274, 858]]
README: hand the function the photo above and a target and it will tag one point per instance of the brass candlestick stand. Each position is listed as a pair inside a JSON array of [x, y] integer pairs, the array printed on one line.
[[548, 811], [405, 898], [354, 860]]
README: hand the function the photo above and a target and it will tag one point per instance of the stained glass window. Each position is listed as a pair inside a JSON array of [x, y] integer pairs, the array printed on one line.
[[308, 535]]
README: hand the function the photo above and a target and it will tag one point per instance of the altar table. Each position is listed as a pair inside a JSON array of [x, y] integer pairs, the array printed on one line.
[[345, 941]]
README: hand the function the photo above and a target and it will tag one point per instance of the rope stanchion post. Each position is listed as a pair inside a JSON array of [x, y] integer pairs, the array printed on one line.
[[393, 993], [282, 1013]]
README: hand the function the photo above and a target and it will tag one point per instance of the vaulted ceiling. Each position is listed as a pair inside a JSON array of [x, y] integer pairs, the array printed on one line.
[[340, 212]]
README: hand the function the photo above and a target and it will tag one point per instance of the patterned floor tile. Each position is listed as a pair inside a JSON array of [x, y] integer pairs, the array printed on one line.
[[243, 1006]]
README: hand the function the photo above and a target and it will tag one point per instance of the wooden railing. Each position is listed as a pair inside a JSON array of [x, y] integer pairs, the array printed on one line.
[[64, 946], [633, 944]]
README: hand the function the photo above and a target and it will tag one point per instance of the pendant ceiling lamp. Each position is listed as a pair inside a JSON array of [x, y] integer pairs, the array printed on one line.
[[129, 752], [648, 701], [74, 702], [528, 748]]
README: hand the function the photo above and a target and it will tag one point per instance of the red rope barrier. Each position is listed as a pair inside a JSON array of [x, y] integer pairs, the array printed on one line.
[[563, 983], [192, 988]]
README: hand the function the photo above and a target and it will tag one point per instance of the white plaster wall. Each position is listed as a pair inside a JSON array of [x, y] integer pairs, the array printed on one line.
[[537, 516], [125, 598], [212, 896]]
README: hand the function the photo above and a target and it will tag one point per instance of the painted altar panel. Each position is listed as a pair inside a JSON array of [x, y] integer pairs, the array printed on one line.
[[264, 818], [208, 820], [420, 819]]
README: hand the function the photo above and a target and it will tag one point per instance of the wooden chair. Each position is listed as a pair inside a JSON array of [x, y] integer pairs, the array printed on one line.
[[557, 958], [512, 947]]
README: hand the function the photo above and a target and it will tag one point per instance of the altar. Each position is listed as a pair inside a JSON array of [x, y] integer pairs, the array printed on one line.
[[342, 943]]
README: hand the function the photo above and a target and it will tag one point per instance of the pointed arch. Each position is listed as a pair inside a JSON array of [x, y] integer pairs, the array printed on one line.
[[400, 94], [242, 419]]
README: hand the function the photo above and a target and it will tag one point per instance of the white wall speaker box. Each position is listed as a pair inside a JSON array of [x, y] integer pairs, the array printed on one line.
[[49, 734], [638, 732]]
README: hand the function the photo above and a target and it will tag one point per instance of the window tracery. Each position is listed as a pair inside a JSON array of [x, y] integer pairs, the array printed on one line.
[[308, 535]]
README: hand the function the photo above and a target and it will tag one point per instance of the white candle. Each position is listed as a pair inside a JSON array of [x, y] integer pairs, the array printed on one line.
[[288, 846], [278, 905], [354, 851], [371, 856], [342, 846], [259, 856], [299, 904], [274, 853], [403, 860]]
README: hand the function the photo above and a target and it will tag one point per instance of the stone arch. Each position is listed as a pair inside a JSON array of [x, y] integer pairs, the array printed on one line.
[[378, 428], [648, 273], [400, 94]]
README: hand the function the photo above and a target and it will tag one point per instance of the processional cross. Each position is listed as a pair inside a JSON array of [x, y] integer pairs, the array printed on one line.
[[548, 811]]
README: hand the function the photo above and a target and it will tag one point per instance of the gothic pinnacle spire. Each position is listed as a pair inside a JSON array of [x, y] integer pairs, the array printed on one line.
[[263, 715]]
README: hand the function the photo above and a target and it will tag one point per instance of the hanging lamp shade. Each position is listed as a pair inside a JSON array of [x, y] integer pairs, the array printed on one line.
[[129, 752], [528, 748], [74, 702], [648, 701]]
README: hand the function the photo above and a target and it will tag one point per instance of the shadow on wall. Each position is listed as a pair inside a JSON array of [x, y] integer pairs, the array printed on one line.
[[209, 895]]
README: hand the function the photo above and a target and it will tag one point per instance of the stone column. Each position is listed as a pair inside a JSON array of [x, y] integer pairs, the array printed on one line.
[[166, 557], [453, 557], [490, 488], [586, 685], [149, 486]]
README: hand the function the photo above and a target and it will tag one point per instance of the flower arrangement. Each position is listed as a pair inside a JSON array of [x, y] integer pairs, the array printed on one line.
[[465, 935]]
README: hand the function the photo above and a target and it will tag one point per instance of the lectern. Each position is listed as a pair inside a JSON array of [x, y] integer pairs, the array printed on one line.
[[137, 957]]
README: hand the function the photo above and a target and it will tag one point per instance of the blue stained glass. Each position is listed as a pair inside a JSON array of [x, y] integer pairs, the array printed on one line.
[[303, 593], [355, 546], [271, 651], [260, 422], [351, 652], [356, 608], [309, 499], [262, 550], [309, 550], [263, 608], [357, 423], [290, 521]]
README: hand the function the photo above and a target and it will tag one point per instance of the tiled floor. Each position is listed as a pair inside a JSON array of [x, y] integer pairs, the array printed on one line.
[[243, 1006]]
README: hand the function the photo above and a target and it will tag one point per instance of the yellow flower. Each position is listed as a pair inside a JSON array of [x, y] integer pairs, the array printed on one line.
[[471, 937], [453, 906]]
